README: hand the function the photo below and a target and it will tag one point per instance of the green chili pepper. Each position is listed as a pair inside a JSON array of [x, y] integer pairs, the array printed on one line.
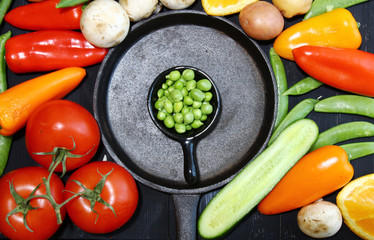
[[305, 85], [357, 150], [70, 3], [5, 141], [4, 6], [351, 104], [343, 132], [300, 111], [280, 77], [321, 6]]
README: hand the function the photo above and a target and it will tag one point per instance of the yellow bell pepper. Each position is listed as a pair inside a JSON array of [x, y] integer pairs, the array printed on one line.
[[336, 28]]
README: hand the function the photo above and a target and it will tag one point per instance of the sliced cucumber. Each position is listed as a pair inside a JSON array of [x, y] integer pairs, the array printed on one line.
[[257, 179]]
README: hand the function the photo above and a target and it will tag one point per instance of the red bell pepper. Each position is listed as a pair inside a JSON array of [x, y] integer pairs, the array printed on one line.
[[50, 50], [346, 69], [45, 16]]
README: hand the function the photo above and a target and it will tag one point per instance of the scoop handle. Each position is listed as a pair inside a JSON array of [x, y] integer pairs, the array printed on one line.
[[190, 166]]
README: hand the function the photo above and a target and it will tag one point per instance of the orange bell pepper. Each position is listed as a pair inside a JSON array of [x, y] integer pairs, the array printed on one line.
[[315, 175], [336, 28], [18, 102]]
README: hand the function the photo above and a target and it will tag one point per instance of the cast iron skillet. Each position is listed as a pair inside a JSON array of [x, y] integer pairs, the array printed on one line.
[[247, 88]]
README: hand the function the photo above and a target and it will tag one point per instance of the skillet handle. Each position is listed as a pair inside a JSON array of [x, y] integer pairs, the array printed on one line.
[[190, 165], [185, 215]]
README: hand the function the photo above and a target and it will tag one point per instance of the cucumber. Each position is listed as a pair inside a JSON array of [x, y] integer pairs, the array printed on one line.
[[256, 180]]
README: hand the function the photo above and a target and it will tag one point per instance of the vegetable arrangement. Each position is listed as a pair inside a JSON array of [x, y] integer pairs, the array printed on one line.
[[324, 46], [88, 202]]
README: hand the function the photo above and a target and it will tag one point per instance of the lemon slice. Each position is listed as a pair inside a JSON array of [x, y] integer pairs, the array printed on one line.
[[356, 202], [224, 7]]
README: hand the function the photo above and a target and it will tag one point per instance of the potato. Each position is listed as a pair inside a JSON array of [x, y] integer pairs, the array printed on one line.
[[261, 20], [290, 8]]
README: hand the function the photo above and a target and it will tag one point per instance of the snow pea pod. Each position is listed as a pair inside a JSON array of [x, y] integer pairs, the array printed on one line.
[[343, 132], [350, 104], [70, 3], [305, 85], [5, 141], [4, 6], [321, 6], [359, 149], [281, 80], [300, 111]]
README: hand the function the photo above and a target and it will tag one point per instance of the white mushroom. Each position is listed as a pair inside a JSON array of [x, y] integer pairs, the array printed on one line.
[[320, 219], [177, 4], [104, 23], [139, 9]]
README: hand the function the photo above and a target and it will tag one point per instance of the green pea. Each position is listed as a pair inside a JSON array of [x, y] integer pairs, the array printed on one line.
[[171, 88], [169, 82], [188, 117], [185, 110], [184, 91], [159, 104], [204, 85], [174, 75], [176, 95], [160, 93], [197, 113], [180, 128], [196, 124], [188, 127], [203, 117], [169, 121], [178, 117], [197, 94], [166, 92], [191, 85], [208, 96], [178, 106], [179, 84], [168, 105], [188, 100], [188, 74], [164, 86], [161, 115], [206, 108], [197, 104]]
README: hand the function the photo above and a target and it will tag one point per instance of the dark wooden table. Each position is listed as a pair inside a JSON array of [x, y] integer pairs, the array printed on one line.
[[154, 218]]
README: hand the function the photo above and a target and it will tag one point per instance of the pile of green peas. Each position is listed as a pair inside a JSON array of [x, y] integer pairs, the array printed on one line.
[[184, 103]]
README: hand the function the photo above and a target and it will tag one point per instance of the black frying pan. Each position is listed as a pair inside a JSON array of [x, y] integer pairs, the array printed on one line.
[[248, 104]]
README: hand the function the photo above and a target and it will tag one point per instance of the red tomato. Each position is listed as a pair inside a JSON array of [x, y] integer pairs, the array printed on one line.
[[42, 221], [119, 190], [55, 124]]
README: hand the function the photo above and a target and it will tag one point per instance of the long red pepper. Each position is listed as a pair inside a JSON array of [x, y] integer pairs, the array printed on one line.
[[350, 70], [45, 16], [50, 50]]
